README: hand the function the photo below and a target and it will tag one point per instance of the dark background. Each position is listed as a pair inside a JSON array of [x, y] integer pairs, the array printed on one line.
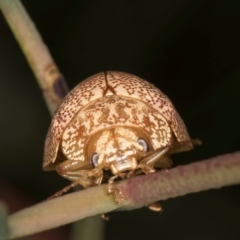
[[189, 49]]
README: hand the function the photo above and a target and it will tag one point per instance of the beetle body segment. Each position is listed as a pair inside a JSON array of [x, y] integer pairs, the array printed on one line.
[[104, 84], [85, 92], [113, 121], [118, 122]]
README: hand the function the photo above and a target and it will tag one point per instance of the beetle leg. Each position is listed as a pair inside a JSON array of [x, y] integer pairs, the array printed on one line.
[[72, 170], [64, 190], [147, 164], [110, 184], [155, 207], [86, 178], [104, 216], [130, 174]]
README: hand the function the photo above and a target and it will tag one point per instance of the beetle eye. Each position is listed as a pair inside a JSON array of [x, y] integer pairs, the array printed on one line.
[[94, 159], [144, 144]]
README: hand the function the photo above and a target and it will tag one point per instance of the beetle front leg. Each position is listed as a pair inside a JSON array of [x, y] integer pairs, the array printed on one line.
[[86, 178], [147, 164], [72, 170]]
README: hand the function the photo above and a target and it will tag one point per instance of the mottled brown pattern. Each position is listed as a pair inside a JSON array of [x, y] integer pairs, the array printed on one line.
[[122, 115], [117, 113], [90, 89], [129, 85], [85, 111], [104, 116]]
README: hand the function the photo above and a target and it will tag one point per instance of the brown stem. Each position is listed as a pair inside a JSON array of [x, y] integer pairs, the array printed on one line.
[[195, 177], [132, 193], [49, 78], [44, 68]]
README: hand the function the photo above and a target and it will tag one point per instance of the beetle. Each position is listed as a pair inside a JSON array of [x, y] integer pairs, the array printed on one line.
[[115, 122]]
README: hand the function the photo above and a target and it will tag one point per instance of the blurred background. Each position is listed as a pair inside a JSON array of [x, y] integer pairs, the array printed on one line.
[[188, 49]]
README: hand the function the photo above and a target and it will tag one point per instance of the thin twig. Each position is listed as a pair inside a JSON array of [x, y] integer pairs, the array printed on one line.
[[49, 78], [44, 68], [3, 221], [132, 193]]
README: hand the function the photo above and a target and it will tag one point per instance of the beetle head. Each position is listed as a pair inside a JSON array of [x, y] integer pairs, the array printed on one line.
[[118, 149]]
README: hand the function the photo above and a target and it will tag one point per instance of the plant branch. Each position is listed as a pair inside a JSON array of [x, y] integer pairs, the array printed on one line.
[[130, 194], [3, 221], [49, 78]]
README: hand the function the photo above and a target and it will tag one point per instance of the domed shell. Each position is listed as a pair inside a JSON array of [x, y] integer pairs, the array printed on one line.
[[104, 83]]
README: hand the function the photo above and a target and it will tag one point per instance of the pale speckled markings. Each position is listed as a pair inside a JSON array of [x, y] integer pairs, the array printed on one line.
[[68, 115], [93, 118], [85, 92], [129, 85]]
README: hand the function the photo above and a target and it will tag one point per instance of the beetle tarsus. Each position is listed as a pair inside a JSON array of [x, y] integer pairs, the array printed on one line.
[[105, 217], [155, 207], [64, 190]]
